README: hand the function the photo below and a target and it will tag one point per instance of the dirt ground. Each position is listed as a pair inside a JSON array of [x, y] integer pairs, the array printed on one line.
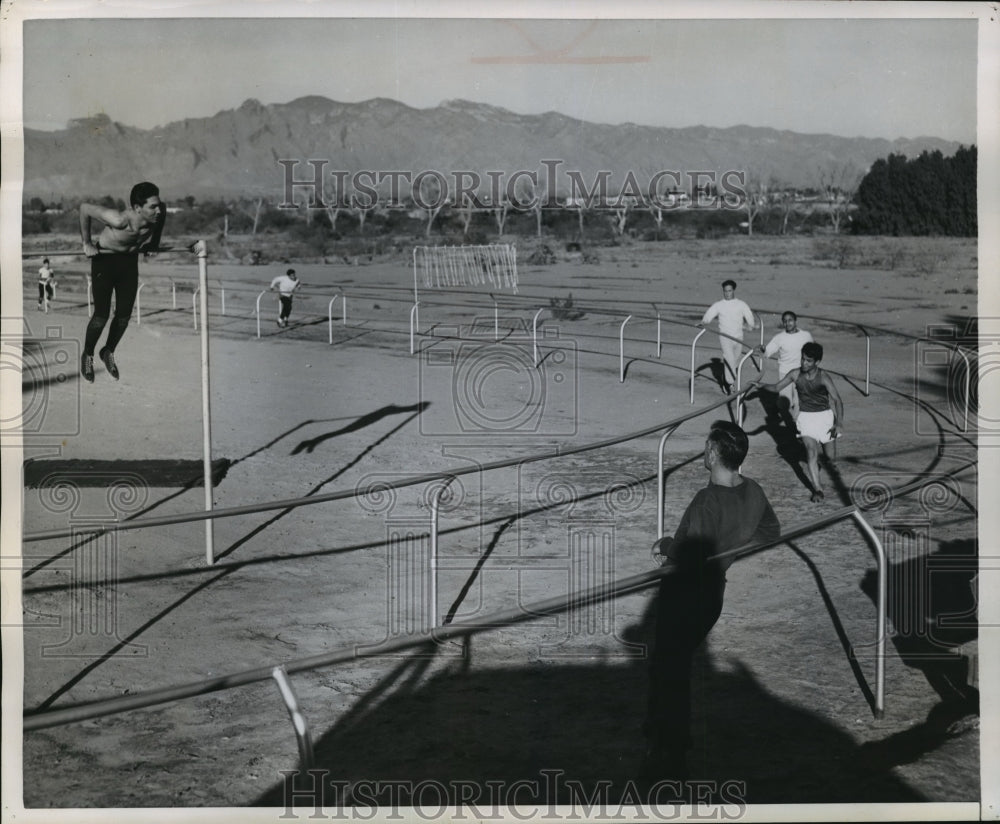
[[546, 711]]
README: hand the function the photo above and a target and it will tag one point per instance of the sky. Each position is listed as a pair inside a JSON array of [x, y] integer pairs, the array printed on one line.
[[880, 78]]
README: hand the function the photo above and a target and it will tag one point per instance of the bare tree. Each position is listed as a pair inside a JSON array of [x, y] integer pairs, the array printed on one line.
[[623, 207], [431, 199], [500, 211], [754, 196], [581, 205], [781, 203], [534, 194], [654, 202], [252, 210], [839, 183], [466, 212]]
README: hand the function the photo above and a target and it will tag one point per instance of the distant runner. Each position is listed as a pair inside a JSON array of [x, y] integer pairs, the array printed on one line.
[[732, 314], [286, 285], [46, 286], [114, 267]]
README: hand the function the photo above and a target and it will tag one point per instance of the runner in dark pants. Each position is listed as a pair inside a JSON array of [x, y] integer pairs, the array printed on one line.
[[114, 267]]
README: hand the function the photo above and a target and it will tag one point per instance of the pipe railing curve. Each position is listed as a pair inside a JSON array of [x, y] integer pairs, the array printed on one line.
[[694, 344], [739, 384], [302, 736], [329, 315], [621, 350], [432, 571], [414, 322], [36, 720], [660, 480], [868, 360], [534, 336]]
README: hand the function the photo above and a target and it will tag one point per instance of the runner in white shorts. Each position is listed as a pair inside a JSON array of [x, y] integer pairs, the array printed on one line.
[[821, 412]]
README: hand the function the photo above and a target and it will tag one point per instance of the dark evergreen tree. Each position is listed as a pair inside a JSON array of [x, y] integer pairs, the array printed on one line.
[[930, 195]]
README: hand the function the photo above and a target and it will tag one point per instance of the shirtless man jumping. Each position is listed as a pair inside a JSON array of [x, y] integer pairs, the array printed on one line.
[[114, 267]]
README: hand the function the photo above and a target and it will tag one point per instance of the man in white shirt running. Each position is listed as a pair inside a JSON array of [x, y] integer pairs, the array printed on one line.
[[732, 313], [286, 285], [786, 346], [46, 286]]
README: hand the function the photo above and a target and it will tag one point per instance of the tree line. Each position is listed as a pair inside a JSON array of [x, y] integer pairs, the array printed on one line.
[[928, 195]]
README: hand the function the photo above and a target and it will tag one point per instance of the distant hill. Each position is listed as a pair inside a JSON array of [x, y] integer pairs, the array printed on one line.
[[235, 152]]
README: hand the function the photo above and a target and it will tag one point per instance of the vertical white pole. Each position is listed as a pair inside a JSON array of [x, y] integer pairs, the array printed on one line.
[[534, 336], [621, 350], [206, 413]]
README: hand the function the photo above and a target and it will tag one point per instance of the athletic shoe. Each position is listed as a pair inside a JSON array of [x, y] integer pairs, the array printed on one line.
[[109, 361], [87, 367]]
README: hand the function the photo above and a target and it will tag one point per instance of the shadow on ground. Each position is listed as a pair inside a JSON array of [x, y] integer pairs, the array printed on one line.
[[932, 609], [562, 733]]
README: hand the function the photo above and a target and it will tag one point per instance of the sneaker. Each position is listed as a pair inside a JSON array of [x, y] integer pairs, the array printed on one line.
[[109, 361], [87, 367]]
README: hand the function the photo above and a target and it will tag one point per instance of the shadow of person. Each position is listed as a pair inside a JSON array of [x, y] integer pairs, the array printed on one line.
[[568, 732], [718, 370], [365, 420], [784, 433], [932, 606]]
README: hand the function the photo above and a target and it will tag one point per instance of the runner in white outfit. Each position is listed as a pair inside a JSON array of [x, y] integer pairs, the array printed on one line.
[[732, 313], [786, 346]]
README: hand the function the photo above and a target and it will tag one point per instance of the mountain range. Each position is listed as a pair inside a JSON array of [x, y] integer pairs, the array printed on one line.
[[236, 152]]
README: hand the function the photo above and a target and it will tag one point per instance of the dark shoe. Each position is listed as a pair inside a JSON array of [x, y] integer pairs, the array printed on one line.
[[87, 367], [109, 362]]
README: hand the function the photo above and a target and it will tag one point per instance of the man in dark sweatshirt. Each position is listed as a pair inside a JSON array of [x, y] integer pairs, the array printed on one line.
[[730, 512]]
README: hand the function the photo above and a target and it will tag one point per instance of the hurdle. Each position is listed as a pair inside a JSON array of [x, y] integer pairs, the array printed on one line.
[[448, 266]]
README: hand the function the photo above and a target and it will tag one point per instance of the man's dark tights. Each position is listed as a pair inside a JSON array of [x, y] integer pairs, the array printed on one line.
[[124, 286]]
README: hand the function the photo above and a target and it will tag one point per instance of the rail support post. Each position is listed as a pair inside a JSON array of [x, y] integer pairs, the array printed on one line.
[[534, 336], [432, 607], [302, 735], [880, 605], [659, 481], [621, 350], [414, 323], [201, 250], [739, 386], [329, 315], [694, 345]]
